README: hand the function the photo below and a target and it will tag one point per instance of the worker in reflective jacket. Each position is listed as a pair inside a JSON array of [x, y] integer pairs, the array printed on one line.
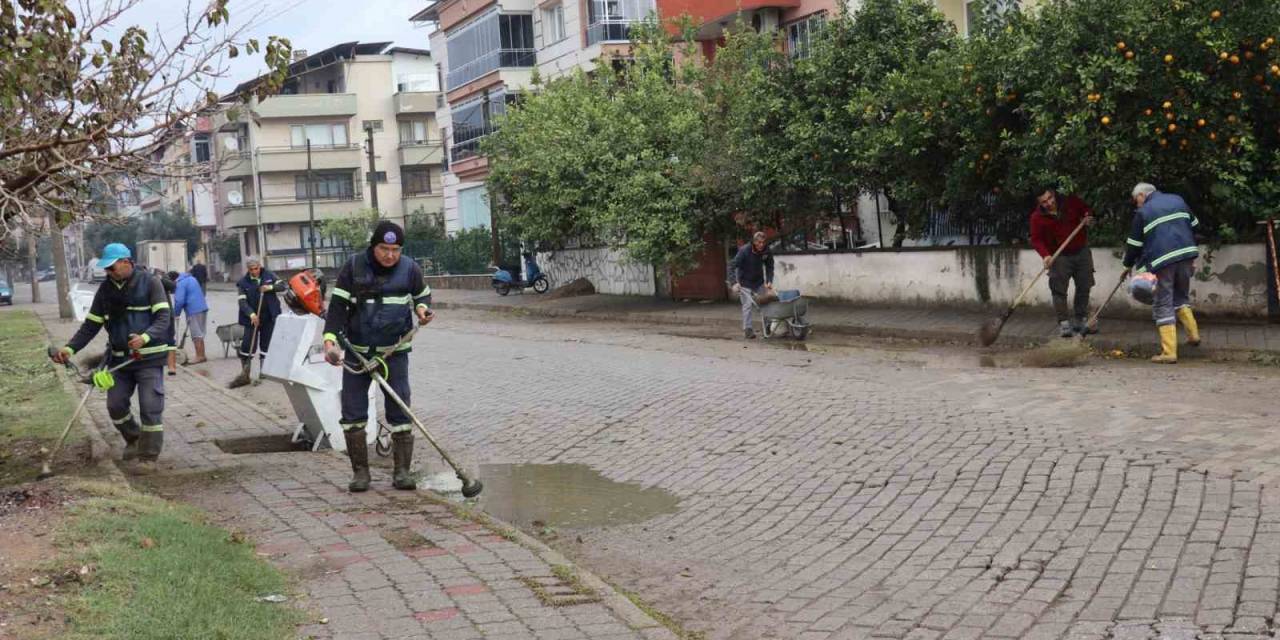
[[259, 307], [1162, 241], [376, 299], [133, 306]]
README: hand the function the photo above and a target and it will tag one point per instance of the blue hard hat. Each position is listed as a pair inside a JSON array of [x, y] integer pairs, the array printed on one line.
[[113, 253]]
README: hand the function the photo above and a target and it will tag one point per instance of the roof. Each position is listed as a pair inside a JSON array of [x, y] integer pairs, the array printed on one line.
[[430, 14], [408, 50], [319, 60]]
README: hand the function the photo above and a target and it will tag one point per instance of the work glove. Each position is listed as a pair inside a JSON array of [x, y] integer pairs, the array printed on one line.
[[61, 356], [332, 354], [267, 288]]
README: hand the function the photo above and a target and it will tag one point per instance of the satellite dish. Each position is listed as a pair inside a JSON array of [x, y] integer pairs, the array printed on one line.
[[235, 198], [230, 143]]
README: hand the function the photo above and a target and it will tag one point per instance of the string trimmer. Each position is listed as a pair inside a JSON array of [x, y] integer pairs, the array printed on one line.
[[99, 378], [990, 330], [377, 367]]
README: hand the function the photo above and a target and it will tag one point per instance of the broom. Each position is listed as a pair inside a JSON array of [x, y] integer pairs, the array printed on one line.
[[243, 379], [990, 330], [1093, 320]]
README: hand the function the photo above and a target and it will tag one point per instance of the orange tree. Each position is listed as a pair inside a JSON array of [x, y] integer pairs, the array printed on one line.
[[1096, 95]]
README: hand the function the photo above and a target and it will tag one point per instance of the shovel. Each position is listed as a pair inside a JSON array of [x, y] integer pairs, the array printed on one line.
[[243, 379], [990, 330]]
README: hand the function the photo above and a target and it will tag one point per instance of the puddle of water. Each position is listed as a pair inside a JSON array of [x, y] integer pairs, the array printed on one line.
[[562, 496]]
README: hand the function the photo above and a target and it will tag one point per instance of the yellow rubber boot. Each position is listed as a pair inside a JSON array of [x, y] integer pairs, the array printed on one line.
[[1168, 345], [1188, 321]]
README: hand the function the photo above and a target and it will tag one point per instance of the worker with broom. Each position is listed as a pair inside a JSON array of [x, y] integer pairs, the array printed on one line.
[[133, 306], [376, 299], [1162, 241], [259, 307], [1052, 222]]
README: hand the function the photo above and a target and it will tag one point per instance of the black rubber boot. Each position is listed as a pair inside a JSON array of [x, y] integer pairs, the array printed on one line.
[[130, 432], [402, 455], [149, 445], [358, 451]]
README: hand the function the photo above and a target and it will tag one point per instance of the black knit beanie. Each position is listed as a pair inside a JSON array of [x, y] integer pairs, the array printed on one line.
[[387, 232]]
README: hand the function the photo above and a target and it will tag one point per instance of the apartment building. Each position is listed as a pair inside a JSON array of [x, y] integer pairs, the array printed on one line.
[[340, 111], [487, 51]]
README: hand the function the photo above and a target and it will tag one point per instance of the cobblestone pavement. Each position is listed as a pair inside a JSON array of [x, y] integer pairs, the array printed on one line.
[[850, 491], [384, 564]]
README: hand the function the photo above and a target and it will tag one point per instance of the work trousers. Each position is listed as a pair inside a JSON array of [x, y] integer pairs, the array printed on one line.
[[148, 382], [1076, 267], [744, 295], [355, 394], [1173, 291], [266, 326]]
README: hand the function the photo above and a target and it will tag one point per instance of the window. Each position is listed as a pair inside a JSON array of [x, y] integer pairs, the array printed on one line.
[[332, 186], [376, 125], [377, 176], [611, 20], [553, 25], [413, 132], [489, 42], [473, 208], [415, 181], [995, 9], [322, 241], [201, 147], [475, 119], [128, 198], [320, 135], [801, 35]]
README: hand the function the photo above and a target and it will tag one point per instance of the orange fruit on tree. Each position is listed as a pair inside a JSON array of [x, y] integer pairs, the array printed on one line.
[[1147, 112], [1163, 142], [1200, 122], [1172, 127], [1231, 119], [1168, 58], [1237, 95], [1215, 15], [1235, 59], [1128, 55], [1234, 140], [1167, 105], [1121, 45], [1213, 136], [1224, 55], [1169, 116], [1106, 120]]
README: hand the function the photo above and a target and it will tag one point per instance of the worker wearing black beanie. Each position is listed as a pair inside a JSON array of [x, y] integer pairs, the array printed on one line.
[[377, 297]]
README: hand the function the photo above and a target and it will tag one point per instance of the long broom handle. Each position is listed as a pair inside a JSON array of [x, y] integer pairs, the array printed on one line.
[[253, 342], [1275, 259], [1052, 259], [1106, 302]]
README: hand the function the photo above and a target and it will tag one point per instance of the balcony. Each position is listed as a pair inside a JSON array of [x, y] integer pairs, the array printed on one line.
[[430, 152], [308, 105], [490, 62], [338, 156], [417, 101], [235, 165], [275, 211], [609, 31]]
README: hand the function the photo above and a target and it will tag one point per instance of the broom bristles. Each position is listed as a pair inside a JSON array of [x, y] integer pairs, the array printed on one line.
[[990, 331]]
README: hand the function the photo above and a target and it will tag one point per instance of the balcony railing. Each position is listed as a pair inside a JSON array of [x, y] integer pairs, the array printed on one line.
[[307, 105], [489, 62], [428, 152], [609, 31]]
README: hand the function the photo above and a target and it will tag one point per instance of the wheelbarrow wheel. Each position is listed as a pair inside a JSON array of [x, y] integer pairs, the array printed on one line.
[[799, 331]]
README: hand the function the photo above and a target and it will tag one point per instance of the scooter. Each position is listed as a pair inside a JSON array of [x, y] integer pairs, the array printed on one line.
[[504, 282]]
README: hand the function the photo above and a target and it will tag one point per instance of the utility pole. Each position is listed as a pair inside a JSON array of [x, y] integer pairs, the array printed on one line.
[[373, 171], [311, 206]]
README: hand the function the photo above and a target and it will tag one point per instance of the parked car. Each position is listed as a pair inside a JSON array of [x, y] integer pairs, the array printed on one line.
[[6, 293], [45, 275]]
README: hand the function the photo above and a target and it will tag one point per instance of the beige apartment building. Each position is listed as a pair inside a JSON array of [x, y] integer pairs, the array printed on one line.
[[340, 111]]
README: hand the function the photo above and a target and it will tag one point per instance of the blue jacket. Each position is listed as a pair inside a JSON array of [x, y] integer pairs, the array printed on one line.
[[188, 296], [1162, 233]]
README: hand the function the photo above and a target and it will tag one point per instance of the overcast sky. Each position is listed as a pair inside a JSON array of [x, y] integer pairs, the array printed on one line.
[[313, 25]]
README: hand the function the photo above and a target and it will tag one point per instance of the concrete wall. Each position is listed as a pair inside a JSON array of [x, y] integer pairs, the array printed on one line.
[[1235, 283], [608, 270]]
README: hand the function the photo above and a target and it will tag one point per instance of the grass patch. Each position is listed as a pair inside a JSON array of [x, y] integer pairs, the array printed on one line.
[[161, 571], [661, 618], [35, 406], [565, 589]]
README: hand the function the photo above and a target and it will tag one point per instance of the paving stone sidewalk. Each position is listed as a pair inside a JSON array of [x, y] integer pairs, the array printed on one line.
[[379, 565], [946, 324]]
